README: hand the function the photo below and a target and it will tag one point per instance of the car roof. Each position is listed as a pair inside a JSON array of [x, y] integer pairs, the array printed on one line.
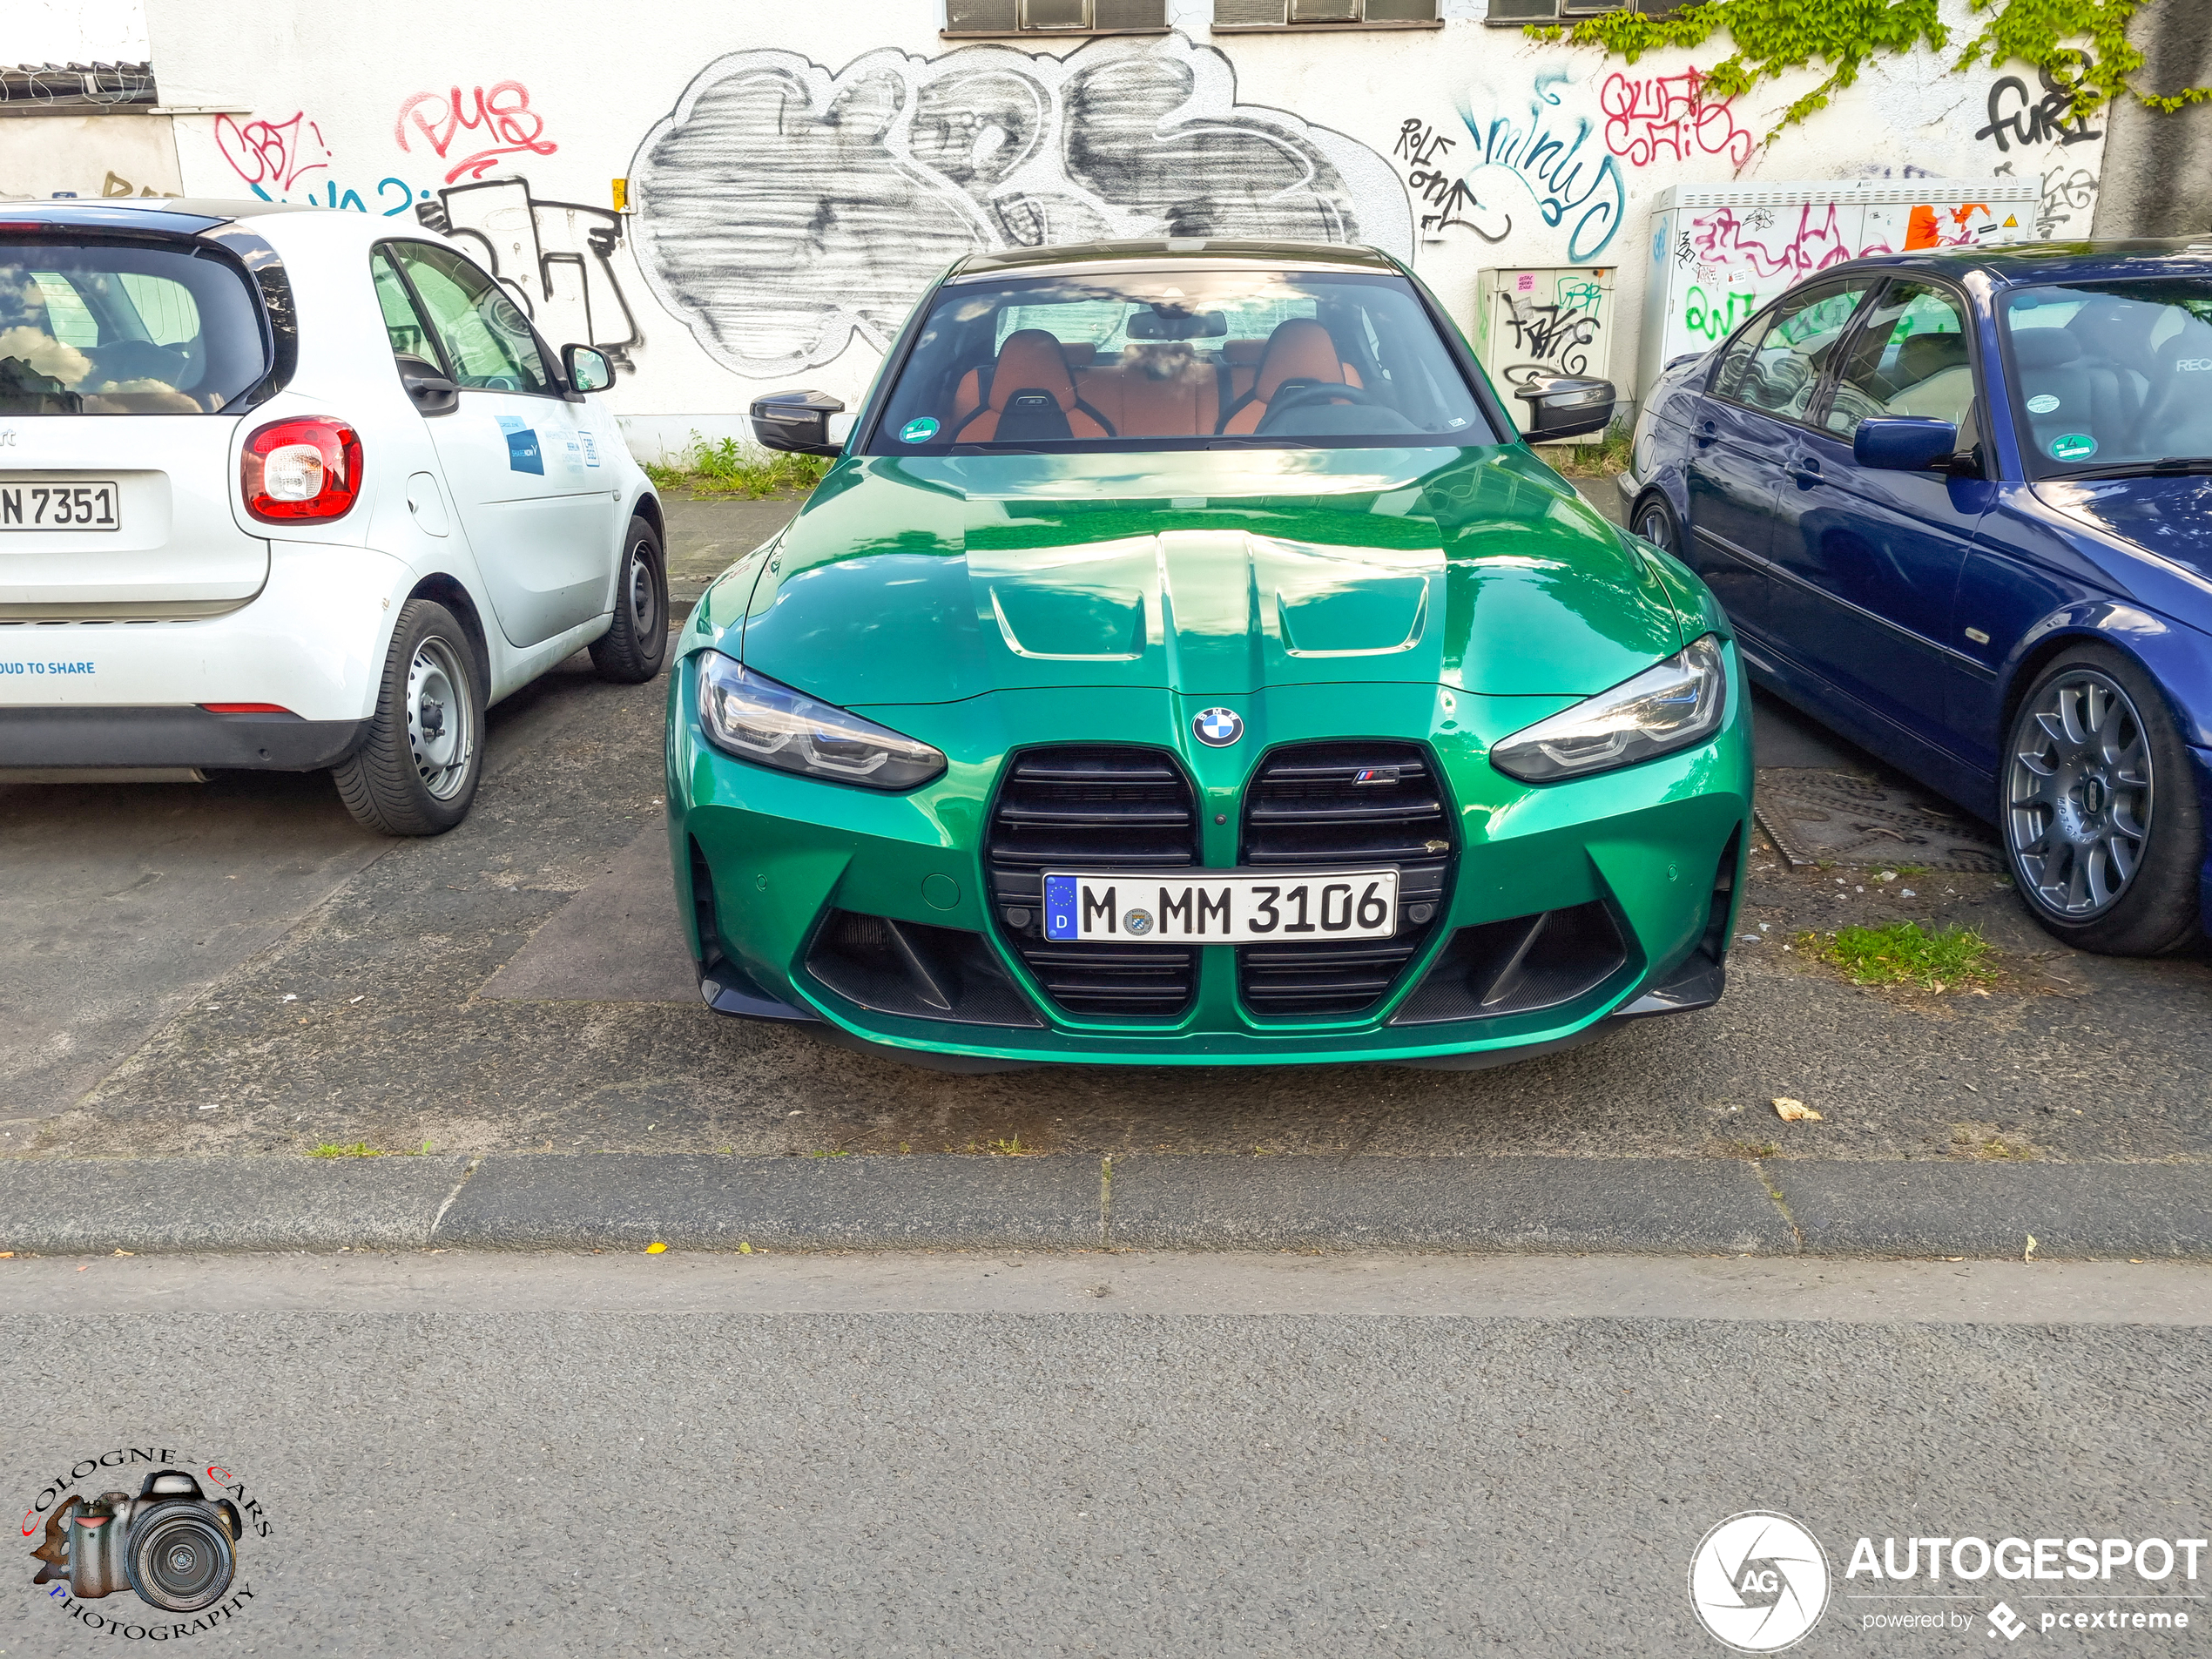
[[2028, 263], [1070, 257], [182, 215]]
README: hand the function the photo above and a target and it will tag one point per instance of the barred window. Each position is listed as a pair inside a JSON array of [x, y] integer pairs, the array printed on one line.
[[1055, 17], [1232, 15], [1514, 14]]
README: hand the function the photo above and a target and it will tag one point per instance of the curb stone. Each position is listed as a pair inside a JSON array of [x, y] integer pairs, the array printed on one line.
[[1536, 1205]]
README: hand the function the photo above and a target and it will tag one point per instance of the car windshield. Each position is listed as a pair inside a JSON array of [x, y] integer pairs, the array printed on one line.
[[1178, 356], [91, 328], [2113, 377]]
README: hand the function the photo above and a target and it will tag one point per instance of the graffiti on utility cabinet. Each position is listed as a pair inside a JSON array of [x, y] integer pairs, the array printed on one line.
[[785, 210]]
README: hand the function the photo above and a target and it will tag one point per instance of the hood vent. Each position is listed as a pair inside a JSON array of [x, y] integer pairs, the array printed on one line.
[[1324, 805], [1101, 808]]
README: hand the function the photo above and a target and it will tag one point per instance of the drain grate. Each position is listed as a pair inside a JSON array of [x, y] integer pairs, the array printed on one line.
[[1819, 817]]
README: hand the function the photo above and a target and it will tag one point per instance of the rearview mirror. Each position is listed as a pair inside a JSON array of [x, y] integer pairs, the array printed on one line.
[[426, 387], [588, 369], [797, 422], [1565, 405], [1905, 443]]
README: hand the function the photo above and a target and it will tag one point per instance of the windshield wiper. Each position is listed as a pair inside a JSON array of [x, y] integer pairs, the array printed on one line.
[[2165, 467]]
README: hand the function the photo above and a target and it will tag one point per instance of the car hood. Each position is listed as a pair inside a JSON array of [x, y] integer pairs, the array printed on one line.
[[910, 580], [2170, 518]]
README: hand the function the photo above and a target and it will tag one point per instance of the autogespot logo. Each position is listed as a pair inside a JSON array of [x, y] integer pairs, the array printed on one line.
[[1759, 1583]]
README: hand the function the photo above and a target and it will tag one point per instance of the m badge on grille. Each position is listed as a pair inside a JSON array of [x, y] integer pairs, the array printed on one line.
[[1219, 728]]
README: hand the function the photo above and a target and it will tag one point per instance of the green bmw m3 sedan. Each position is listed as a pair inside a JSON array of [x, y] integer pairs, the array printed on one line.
[[1187, 662]]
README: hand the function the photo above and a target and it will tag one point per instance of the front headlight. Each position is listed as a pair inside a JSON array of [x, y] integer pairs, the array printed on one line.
[[753, 718], [1677, 704]]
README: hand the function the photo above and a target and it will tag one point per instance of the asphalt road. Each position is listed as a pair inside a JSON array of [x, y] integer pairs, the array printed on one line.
[[235, 968], [1104, 1455]]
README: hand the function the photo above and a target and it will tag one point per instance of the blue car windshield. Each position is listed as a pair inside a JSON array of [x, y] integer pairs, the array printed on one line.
[[2113, 377], [1177, 356]]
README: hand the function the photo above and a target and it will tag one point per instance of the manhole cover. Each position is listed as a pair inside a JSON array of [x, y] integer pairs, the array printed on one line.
[[1818, 817]]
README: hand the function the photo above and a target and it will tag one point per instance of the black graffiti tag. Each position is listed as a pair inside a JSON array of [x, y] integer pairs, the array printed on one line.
[[1555, 336], [2040, 121], [1443, 196]]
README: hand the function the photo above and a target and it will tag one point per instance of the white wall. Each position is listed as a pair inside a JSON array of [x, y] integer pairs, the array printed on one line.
[[798, 171]]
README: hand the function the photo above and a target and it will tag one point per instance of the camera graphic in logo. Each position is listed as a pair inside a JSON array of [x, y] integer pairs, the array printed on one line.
[[173, 1545], [1759, 1583]]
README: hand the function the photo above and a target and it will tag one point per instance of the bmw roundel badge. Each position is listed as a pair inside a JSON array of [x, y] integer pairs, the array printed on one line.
[[1219, 728]]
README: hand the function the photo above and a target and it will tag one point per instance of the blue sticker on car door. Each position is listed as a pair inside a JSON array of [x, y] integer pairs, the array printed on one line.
[[523, 454]]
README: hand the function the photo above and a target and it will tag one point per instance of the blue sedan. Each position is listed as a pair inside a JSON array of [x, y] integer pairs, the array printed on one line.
[[1958, 506]]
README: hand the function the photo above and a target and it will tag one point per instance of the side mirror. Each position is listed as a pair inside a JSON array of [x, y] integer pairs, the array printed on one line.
[[588, 370], [427, 388], [1565, 405], [798, 422], [1905, 443]]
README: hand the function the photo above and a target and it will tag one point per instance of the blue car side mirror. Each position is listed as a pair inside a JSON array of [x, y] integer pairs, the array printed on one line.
[[1905, 443]]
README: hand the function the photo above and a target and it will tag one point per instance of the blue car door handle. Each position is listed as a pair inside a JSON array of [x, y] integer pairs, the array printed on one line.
[[1806, 471], [1705, 435]]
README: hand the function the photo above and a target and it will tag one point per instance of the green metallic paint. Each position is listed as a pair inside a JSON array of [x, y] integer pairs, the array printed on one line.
[[1215, 573]]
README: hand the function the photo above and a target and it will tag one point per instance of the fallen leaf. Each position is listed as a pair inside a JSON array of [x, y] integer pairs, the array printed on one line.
[[1796, 1111], [127, 1253], [655, 1248], [2028, 1255]]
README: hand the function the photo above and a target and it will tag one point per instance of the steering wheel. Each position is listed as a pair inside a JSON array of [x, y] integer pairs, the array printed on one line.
[[1297, 395]]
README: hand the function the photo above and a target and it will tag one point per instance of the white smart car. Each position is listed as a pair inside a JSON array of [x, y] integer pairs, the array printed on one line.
[[288, 489]]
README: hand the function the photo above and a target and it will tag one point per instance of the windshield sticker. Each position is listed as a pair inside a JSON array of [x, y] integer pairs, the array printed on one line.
[[2072, 446], [522, 453], [919, 430], [2042, 403]]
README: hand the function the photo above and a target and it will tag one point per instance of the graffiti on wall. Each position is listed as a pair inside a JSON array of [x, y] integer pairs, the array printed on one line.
[[2015, 119], [273, 155], [783, 209], [557, 257], [1537, 154], [1443, 197], [497, 121], [1544, 335], [1651, 116]]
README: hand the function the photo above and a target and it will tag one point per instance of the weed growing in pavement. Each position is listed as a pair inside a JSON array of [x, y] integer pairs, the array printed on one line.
[[1905, 954], [358, 1149], [1603, 459], [731, 468]]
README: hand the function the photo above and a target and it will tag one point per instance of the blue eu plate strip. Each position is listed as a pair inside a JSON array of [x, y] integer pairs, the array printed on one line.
[[1060, 906]]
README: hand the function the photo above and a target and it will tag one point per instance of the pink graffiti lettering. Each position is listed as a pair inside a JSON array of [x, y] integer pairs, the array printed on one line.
[[502, 113], [1669, 112], [272, 152], [1721, 237]]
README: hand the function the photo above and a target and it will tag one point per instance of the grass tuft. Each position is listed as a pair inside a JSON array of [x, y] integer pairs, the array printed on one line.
[[1604, 459], [358, 1149], [1905, 954], [731, 468]]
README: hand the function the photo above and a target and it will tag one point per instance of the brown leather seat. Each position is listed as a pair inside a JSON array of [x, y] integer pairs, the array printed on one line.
[[1031, 396], [1154, 391], [1299, 350]]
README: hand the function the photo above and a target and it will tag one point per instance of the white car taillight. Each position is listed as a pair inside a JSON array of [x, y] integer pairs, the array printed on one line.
[[306, 467]]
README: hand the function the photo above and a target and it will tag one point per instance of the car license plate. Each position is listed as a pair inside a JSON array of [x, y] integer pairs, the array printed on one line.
[[1332, 904], [95, 504]]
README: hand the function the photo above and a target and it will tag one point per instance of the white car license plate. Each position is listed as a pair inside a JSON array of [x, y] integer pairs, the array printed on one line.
[[95, 504], [1332, 904]]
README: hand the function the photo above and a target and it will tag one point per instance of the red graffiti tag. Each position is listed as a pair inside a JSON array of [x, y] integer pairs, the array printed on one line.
[[1669, 112], [502, 113], [271, 152]]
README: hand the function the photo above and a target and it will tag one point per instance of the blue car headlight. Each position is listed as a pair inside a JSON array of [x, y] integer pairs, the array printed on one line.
[[754, 718], [1675, 704]]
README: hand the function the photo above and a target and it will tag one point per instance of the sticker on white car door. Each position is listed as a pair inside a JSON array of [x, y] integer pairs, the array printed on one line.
[[523, 454]]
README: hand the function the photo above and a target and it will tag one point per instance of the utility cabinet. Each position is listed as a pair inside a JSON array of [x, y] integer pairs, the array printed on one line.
[[1537, 321], [1720, 252]]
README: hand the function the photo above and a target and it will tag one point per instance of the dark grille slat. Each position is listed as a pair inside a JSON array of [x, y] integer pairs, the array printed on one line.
[[1306, 810], [1104, 809]]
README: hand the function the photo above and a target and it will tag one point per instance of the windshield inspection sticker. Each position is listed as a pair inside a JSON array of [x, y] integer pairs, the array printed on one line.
[[919, 430], [522, 453], [2042, 403], [2072, 446]]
